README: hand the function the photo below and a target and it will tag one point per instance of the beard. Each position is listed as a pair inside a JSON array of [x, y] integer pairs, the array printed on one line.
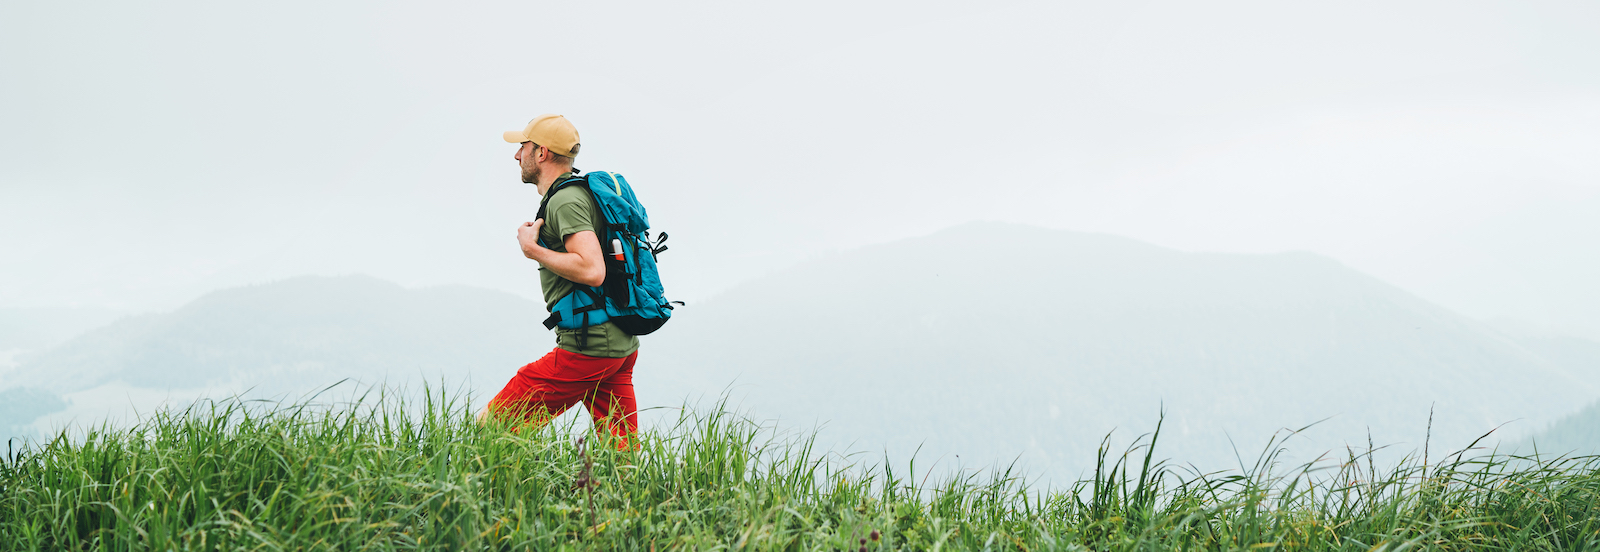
[[530, 175]]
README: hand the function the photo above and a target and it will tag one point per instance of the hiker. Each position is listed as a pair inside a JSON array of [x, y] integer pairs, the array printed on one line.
[[592, 363]]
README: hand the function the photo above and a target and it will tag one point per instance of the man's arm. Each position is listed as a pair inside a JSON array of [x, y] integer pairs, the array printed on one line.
[[582, 263]]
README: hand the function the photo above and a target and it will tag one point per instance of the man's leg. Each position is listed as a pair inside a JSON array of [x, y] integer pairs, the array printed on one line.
[[612, 404], [529, 397]]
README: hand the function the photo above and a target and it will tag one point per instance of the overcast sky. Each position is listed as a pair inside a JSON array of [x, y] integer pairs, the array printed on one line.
[[153, 151]]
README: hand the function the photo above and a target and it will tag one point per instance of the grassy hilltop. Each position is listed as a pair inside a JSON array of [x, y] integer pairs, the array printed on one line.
[[367, 475]]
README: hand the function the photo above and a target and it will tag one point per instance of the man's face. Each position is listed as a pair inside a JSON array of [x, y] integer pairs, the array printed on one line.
[[527, 159]]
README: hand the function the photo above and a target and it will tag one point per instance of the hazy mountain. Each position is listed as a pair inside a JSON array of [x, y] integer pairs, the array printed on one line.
[[990, 341], [291, 337], [349, 326], [24, 330], [1577, 434], [19, 406]]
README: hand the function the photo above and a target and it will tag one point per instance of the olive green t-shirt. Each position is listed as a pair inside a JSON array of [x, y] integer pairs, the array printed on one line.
[[572, 210]]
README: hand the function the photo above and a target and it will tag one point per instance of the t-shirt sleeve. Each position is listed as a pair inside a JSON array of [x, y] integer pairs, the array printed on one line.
[[570, 213]]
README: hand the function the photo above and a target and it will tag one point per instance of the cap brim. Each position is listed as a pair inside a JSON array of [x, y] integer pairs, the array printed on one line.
[[515, 137]]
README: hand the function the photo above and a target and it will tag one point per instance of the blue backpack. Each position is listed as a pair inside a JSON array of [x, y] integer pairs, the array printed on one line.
[[632, 296]]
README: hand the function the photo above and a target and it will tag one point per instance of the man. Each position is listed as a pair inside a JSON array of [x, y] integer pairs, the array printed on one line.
[[593, 365]]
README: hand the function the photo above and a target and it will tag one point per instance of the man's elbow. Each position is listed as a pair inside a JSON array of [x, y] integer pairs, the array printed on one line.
[[594, 278]]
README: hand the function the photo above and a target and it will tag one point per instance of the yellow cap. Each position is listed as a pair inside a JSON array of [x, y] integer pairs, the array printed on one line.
[[551, 131]]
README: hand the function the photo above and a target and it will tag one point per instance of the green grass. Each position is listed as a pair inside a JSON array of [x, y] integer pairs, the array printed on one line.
[[377, 474]]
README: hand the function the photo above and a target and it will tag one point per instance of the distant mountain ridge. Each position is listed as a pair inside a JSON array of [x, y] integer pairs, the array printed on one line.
[[41, 328], [1577, 435], [295, 335]]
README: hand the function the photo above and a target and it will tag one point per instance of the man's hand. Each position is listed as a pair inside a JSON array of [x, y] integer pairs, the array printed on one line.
[[528, 236]]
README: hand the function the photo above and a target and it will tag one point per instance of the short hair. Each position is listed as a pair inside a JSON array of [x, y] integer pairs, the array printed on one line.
[[562, 159]]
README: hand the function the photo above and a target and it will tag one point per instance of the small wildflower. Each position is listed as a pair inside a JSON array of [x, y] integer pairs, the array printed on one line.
[[863, 541], [874, 535]]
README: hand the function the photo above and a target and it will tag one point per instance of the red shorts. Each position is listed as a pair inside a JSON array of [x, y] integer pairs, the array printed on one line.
[[549, 386]]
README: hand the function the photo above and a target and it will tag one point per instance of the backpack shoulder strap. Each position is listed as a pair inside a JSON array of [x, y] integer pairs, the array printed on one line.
[[580, 182], [558, 186]]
